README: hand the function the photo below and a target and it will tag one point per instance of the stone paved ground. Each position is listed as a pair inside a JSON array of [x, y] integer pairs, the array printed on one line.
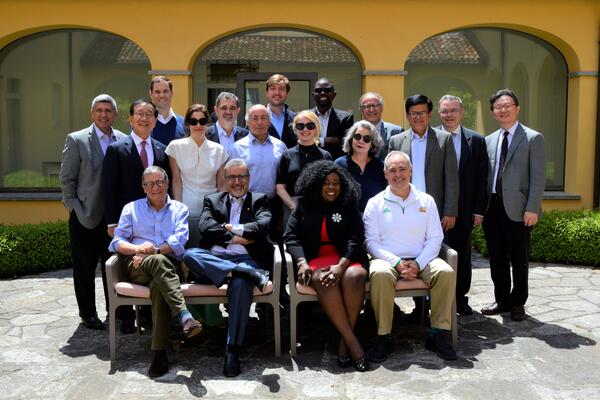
[[554, 354]]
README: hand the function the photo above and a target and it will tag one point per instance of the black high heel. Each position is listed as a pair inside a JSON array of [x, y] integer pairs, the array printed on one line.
[[362, 364], [343, 361]]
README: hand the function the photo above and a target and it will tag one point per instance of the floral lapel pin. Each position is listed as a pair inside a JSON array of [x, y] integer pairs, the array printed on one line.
[[336, 217]]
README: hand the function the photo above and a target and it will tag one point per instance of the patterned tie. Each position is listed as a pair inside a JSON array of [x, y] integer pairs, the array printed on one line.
[[144, 155], [503, 152]]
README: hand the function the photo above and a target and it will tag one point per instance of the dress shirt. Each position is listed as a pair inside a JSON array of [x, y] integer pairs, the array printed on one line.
[[457, 140], [262, 159], [105, 140], [226, 141], [277, 120], [233, 249], [379, 127], [140, 223], [149, 150], [397, 228], [418, 152], [511, 135], [165, 120], [324, 120]]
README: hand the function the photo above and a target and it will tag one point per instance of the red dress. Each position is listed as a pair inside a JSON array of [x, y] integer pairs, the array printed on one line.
[[328, 254]]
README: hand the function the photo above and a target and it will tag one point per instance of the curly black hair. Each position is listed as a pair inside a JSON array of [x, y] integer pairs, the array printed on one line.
[[310, 183]]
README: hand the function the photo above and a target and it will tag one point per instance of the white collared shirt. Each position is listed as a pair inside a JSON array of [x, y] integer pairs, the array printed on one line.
[[104, 139], [511, 135], [418, 151], [165, 120], [138, 144], [237, 229], [324, 120]]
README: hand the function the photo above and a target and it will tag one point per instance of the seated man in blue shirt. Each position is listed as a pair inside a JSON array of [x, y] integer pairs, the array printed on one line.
[[150, 237], [234, 227]]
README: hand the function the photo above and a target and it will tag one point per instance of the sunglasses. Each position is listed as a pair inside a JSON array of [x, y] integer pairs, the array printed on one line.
[[201, 121], [310, 126], [323, 90], [358, 136]]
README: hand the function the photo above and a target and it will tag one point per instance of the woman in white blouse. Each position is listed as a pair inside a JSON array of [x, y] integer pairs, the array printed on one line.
[[196, 163]]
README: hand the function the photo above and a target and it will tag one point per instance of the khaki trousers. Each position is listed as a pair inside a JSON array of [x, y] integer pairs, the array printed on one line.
[[159, 274], [441, 279]]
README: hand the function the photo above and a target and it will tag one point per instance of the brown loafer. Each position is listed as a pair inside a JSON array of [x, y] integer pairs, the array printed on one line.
[[191, 328]]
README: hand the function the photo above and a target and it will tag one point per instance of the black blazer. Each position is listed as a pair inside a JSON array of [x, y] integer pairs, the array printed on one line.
[[339, 122], [303, 232], [122, 175], [287, 135], [255, 216], [213, 134]]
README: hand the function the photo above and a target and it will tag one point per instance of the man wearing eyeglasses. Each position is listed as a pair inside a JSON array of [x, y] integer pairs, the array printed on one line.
[[150, 240], [516, 179], [371, 109], [334, 122], [225, 131], [124, 163], [281, 116], [169, 126], [234, 226], [472, 159]]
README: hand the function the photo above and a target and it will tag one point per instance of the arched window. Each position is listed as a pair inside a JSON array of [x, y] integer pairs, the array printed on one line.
[[47, 83], [474, 63], [239, 64]]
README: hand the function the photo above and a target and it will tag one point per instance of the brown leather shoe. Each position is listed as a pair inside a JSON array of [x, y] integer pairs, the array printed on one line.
[[191, 328], [159, 365], [494, 309], [518, 313]]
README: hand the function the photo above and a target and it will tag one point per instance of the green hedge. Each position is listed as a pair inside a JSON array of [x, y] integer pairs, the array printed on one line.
[[31, 248], [566, 237]]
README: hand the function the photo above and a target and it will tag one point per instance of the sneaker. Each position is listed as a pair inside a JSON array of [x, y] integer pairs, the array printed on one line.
[[440, 344], [382, 349]]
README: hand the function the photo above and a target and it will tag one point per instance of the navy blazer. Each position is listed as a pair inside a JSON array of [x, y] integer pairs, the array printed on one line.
[[344, 227], [122, 175], [339, 122], [287, 134], [213, 134], [255, 216]]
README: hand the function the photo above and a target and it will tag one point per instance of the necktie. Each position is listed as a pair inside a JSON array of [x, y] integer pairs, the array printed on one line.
[[144, 155], [503, 151]]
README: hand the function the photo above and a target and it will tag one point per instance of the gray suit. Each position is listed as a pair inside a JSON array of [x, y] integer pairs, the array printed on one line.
[[81, 183], [388, 130], [441, 172]]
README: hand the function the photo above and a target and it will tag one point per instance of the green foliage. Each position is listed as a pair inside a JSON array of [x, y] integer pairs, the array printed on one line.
[[28, 178], [569, 237], [31, 248], [469, 104]]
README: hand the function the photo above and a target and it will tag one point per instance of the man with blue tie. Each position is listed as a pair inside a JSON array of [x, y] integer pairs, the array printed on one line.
[[80, 180]]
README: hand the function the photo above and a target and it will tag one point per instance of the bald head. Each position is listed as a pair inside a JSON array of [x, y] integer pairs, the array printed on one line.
[[258, 120]]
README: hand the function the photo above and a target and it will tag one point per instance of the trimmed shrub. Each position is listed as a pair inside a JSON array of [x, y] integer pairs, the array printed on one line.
[[31, 248], [567, 237]]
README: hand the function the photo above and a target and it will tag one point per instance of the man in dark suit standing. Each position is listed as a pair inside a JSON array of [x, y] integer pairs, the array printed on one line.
[[80, 181], [334, 122], [472, 159], [278, 88], [234, 227], [371, 109], [124, 164], [225, 131], [516, 179]]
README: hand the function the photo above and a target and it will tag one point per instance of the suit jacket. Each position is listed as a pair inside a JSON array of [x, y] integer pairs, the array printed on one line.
[[287, 134], [213, 134], [122, 175], [472, 176], [339, 122], [524, 175], [441, 173], [81, 175], [387, 132], [346, 232], [255, 216]]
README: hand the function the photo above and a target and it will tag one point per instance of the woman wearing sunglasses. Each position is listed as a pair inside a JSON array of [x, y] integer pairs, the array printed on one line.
[[361, 143], [196, 163], [307, 128]]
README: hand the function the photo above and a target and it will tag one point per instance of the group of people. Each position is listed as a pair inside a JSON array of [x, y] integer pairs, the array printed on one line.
[[351, 202]]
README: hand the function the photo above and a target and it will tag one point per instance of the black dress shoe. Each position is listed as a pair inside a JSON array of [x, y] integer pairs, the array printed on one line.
[[361, 365], [258, 277], [231, 367], [92, 322], [343, 361], [159, 365], [518, 313], [494, 308], [439, 343], [127, 326], [382, 349]]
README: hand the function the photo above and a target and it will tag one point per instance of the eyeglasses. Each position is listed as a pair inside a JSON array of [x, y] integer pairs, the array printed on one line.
[[451, 111], [502, 107], [141, 115], [309, 125], [237, 177], [370, 106], [201, 121], [365, 138], [326, 90], [419, 114], [159, 183]]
